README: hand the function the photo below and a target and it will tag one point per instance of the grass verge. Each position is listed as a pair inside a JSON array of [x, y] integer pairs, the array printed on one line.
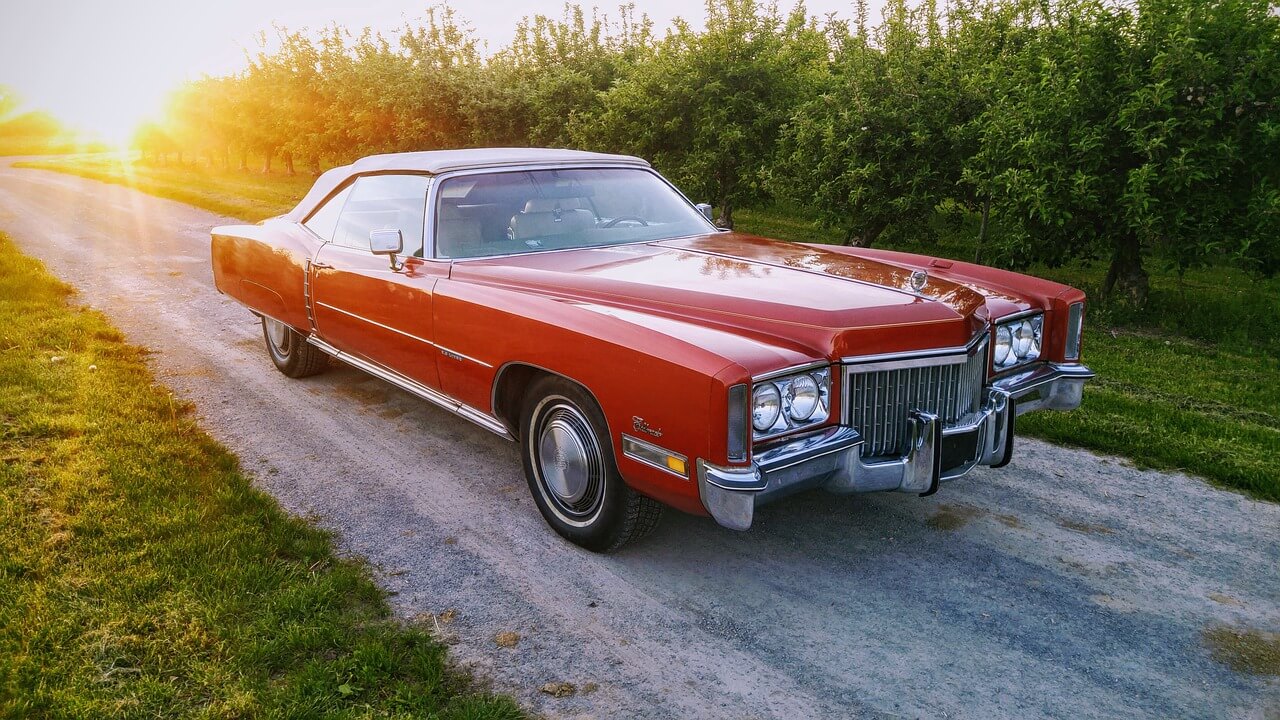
[[141, 574], [1186, 383], [248, 195]]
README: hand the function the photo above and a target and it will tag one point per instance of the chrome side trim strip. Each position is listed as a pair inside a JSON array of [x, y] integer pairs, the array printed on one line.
[[652, 455], [459, 356], [446, 351], [435, 397], [374, 322]]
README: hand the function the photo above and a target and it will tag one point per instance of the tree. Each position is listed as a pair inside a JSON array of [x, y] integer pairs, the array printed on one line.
[[1203, 123], [1122, 132], [553, 74], [151, 140], [706, 107], [872, 150]]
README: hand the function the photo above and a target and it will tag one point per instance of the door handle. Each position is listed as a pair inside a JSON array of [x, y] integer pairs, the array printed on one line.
[[321, 265]]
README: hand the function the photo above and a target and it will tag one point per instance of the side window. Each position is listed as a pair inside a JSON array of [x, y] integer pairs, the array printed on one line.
[[382, 202], [325, 220]]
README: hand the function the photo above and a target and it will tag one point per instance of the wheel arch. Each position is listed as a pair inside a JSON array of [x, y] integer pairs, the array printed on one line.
[[511, 383]]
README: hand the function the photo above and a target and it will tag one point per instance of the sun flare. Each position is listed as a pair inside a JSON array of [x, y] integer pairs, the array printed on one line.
[[103, 71]]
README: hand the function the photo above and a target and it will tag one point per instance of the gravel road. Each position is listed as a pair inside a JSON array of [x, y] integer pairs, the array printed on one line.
[[1067, 585]]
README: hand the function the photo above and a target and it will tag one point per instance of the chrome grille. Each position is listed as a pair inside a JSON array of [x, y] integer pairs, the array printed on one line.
[[878, 398]]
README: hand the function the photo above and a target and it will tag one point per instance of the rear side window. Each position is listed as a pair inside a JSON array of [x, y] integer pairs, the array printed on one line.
[[384, 202], [325, 220]]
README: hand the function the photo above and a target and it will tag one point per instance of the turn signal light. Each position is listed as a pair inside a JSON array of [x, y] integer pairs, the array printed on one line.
[[676, 464]]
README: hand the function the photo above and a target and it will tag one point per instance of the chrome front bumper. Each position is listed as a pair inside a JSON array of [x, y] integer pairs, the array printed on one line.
[[832, 458]]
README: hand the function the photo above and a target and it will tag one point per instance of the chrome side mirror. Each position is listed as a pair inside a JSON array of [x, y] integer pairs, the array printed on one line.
[[706, 211], [389, 243]]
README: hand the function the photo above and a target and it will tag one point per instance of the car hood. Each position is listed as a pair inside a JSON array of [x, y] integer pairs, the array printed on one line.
[[803, 296]]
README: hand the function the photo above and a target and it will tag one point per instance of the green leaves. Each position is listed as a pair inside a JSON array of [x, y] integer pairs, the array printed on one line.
[[707, 107]]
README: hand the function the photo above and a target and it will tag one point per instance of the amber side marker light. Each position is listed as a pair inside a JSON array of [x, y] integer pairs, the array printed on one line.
[[654, 455]]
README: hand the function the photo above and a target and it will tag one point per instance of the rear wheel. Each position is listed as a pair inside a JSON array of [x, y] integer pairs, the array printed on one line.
[[290, 351], [570, 467]]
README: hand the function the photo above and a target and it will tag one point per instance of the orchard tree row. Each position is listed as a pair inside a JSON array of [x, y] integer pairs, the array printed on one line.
[[1133, 132]]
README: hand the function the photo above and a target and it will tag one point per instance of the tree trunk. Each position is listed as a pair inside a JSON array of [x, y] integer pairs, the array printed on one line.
[[868, 236], [244, 161], [982, 230], [726, 214], [288, 164], [266, 164], [1126, 277]]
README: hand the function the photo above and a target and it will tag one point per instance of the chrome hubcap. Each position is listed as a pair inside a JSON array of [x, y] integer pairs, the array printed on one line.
[[569, 462], [278, 334]]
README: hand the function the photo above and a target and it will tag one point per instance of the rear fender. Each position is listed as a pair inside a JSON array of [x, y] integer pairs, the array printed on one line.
[[264, 267]]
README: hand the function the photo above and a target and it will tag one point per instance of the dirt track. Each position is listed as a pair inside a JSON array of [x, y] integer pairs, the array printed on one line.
[[1066, 585]]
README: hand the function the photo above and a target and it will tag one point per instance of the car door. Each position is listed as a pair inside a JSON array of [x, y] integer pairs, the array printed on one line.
[[362, 304]]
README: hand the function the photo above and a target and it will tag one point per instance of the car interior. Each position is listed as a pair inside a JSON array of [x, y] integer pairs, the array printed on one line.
[[516, 212]]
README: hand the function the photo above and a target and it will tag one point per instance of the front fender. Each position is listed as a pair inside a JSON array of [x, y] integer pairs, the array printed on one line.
[[659, 379]]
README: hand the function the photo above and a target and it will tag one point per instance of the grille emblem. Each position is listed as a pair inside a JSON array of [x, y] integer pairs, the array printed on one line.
[[918, 280]]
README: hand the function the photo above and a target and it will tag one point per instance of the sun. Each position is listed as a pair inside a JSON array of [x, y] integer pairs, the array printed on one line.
[[110, 115], [100, 71]]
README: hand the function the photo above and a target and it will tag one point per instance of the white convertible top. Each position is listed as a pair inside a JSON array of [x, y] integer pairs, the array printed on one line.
[[439, 161]]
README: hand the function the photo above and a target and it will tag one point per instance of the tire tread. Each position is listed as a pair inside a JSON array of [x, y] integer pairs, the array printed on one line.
[[642, 516], [311, 359]]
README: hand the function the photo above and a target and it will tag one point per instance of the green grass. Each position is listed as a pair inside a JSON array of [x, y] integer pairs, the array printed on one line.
[[1188, 382], [141, 575], [1173, 403]]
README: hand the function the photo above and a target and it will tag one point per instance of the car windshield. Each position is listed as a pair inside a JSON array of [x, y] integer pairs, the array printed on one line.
[[504, 213]]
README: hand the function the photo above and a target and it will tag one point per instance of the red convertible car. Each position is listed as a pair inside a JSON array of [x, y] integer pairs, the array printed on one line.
[[578, 304]]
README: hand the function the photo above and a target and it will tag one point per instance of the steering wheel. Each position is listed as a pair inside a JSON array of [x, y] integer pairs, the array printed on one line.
[[620, 218]]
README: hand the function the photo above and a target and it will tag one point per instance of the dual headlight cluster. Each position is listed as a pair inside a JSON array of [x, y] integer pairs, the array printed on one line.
[[1018, 341], [793, 401]]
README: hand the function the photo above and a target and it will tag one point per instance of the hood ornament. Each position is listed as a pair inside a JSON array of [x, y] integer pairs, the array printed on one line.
[[919, 279]]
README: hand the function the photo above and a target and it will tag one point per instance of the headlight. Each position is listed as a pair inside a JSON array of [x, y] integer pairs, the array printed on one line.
[[1018, 341], [790, 402], [1025, 343], [802, 397], [1004, 344], [766, 406]]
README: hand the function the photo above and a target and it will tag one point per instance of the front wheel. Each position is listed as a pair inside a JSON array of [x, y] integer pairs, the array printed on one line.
[[290, 351], [570, 467]]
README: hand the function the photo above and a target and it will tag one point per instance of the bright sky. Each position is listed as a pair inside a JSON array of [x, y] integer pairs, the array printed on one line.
[[102, 65]]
